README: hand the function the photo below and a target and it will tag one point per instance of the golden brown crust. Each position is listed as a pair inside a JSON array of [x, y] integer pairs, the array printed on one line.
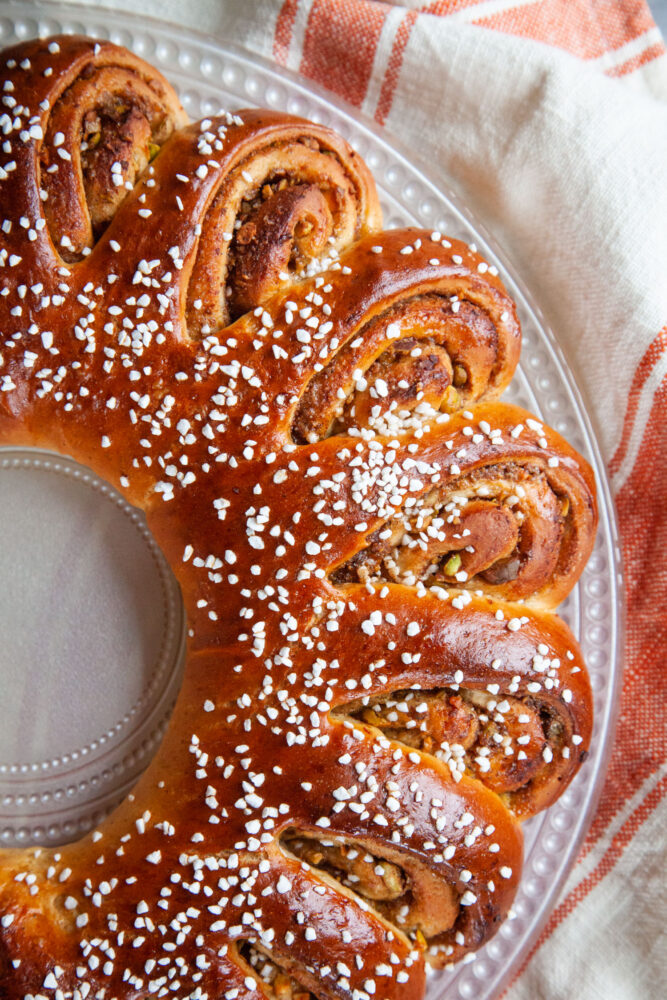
[[257, 162], [435, 318], [270, 456], [494, 460], [83, 79]]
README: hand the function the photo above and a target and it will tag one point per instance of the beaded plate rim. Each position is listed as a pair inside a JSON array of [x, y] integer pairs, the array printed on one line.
[[55, 800]]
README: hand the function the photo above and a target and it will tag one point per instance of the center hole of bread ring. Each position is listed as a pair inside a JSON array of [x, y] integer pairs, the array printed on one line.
[[92, 647]]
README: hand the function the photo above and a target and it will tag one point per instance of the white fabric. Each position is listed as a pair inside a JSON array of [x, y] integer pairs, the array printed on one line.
[[562, 163]]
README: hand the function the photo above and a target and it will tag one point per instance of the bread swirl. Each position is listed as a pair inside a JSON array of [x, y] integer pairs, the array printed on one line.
[[304, 408]]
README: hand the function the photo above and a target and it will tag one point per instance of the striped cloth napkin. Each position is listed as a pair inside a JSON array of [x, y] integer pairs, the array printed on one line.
[[553, 115]]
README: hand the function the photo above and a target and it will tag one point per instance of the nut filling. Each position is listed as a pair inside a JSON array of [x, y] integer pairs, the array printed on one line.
[[415, 361], [501, 740], [391, 890], [111, 124], [498, 525], [277, 232], [276, 983], [278, 215]]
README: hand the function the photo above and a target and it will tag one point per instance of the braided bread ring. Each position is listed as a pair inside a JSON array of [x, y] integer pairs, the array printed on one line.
[[300, 832]]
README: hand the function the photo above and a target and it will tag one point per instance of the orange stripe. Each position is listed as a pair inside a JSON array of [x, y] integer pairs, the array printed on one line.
[[284, 28], [606, 864], [642, 372], [339, 45], [641, 737], [647, 56], [444, 7], [585, 28], [394, 64]]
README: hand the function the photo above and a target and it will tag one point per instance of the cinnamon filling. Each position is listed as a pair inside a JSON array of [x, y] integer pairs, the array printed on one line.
[[498, 739], [442, 359], [113, 123], [278, 984], [501, 524], [268, 223], [411, 372], [278, 234], [118, 142], [355, 867], [419, 903]]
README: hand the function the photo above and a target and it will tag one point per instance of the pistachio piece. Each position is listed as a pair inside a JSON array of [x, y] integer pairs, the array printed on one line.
[[450, 400], [453, 565], [460, 375]]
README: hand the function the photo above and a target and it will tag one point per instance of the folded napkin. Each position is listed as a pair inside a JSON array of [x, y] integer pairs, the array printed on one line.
[[552, 116]]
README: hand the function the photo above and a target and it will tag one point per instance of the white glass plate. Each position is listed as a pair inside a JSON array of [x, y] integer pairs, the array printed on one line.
[[210, 75], [92, 647]]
